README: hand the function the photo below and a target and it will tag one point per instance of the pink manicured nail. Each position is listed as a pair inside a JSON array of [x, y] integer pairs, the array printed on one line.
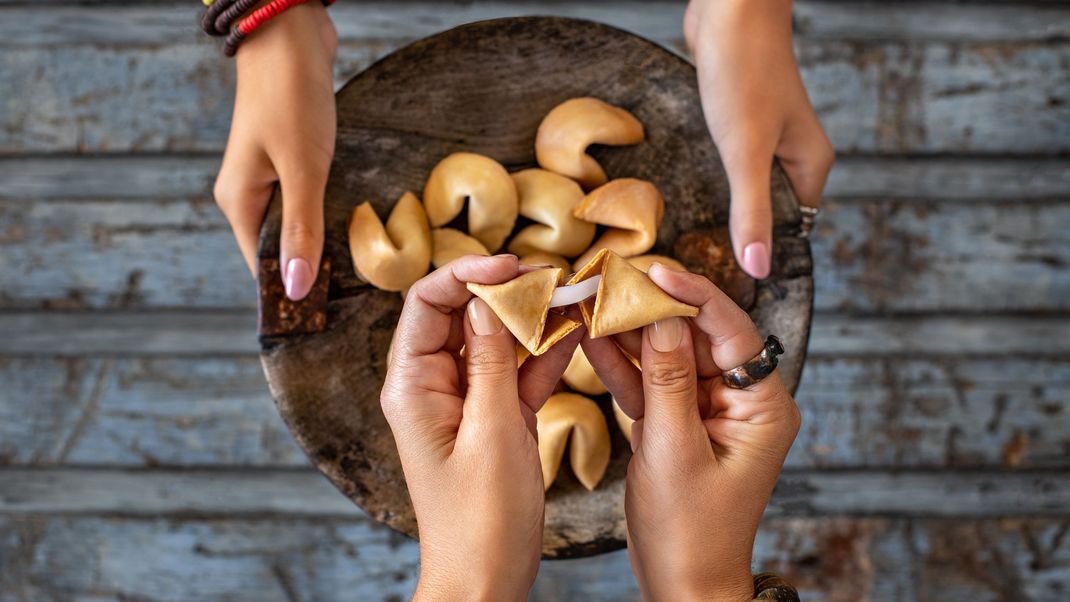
[[756, 259], [298, 279]]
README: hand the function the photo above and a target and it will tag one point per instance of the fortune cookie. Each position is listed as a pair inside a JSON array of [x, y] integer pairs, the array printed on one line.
[[643, 262], [448, 244], [631, 208], [523, 304], [394, 257], [522, 355], [548, 198], [626, 298], [484, 183], [568, 416], [580, 375], [546, 259], [565, 133]]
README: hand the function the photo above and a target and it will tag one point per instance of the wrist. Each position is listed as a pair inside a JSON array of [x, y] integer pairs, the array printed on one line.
[[297, 25], [709, 581], [471, 581]]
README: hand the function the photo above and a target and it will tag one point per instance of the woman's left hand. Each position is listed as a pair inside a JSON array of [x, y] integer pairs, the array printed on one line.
[[465, 430]]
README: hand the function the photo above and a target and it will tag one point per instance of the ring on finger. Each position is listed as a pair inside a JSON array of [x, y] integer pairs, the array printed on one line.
[[757, 368]]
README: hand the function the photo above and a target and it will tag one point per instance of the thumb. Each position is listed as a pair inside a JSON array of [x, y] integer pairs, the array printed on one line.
[[490, 359], [751, 214], [670, 384], [301, 245]]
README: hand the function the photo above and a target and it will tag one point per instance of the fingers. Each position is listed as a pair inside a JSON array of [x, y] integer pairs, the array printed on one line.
[[733, 337], [301, 244], [617, 372], [490, 359], [670, 383], [751, 213], [806, 155], [242, 191], [427, 319], [539, 375]]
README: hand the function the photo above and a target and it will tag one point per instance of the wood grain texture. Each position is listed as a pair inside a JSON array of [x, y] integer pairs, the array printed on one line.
[[261, 493], [940, 89], [946, 412], [907, 256], [883, 392], [141, 413], [148, 178], [228, 333], [839, 560], [900, 256], [68, 22], [857, 413], [444, 94]]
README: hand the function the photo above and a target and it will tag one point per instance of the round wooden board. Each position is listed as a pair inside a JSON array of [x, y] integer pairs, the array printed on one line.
[[485, 87]]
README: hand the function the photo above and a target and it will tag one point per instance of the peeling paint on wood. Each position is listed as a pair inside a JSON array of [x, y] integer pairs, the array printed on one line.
[[274, 492], [229, 333], [838, 560], [149, 413], [857, 413], [968, 234]]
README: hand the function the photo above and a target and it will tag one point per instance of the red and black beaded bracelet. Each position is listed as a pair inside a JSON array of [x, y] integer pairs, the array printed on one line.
[[218, 20]]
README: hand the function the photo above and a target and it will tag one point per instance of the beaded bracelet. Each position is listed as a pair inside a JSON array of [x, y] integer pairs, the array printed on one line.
[[769, 587], [218, 19]]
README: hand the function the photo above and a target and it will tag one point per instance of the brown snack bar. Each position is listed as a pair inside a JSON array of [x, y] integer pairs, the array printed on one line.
[[278, 315]]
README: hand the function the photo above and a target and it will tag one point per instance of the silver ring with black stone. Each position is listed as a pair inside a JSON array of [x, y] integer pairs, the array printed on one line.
[[757, 368], [809, 214]]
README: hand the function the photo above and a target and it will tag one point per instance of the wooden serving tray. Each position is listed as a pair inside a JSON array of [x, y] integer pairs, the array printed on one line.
[[485, 87]]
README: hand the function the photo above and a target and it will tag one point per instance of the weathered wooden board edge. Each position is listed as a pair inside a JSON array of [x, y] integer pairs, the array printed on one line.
[[150, 178], [265, 493], [65, 22], [282, 560], [875, 414], [229, 333]]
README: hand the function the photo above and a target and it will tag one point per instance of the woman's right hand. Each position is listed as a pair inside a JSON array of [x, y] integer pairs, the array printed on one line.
[[706, 456]]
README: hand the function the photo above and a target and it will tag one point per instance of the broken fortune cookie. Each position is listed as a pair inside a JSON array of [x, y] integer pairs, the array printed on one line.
[[627, 298], [523, 304]]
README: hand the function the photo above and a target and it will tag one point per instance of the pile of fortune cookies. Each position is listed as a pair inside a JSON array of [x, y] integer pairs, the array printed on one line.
[[567, 199]]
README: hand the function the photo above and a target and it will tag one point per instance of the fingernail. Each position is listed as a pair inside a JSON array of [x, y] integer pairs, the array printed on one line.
[[637, 435], [299, 279], [665, 335], [756, 259], [483, 319]]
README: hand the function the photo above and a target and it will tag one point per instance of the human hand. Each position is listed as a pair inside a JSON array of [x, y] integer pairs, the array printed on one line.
[[283, 131], [756, 108], [465, 430], [706, 456]]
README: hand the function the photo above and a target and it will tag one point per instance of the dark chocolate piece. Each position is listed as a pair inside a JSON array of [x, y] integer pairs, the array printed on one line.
[[278, 315]]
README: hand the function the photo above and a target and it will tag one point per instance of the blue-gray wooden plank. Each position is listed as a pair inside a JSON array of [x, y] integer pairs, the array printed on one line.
[[836, 560], [275, 492], [857, 413], [230, 333]]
